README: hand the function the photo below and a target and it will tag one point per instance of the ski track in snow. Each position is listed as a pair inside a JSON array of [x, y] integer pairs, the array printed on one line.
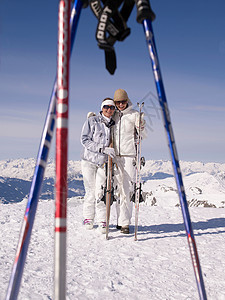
[[157, 266]]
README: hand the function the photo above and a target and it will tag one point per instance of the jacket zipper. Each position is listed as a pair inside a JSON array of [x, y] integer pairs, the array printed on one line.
[[120, 115]]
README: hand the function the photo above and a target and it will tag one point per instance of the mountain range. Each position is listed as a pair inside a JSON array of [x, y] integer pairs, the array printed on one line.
[[204, 182]]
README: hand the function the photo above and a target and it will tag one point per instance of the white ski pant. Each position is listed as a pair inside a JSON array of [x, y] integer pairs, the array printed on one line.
[[124, 177], [94, 178]]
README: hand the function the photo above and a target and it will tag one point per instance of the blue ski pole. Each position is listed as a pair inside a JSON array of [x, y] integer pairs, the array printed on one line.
[[145, 16], [42, 157]]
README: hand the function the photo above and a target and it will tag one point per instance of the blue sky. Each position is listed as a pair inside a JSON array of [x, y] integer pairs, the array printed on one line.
[[190, 39]]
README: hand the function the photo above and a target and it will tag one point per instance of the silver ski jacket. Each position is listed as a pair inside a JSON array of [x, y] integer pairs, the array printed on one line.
[[95, 136]]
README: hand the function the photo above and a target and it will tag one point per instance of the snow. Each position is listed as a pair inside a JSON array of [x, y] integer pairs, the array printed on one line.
[[157, 266]]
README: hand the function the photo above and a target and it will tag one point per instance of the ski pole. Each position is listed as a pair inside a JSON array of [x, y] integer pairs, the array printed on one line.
[[36, 185], [109, 186], [108, 193], [147, 26], [61, 187], [138, 170]]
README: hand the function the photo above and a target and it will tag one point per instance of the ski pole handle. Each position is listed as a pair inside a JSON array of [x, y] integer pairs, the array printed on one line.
[[144, 11]]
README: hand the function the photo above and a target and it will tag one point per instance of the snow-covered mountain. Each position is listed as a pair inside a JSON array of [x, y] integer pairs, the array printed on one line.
[[204, 182]]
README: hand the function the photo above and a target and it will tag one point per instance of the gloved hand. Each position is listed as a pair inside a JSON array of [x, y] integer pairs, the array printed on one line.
[[142, 123], [109, 151], [91, 114]]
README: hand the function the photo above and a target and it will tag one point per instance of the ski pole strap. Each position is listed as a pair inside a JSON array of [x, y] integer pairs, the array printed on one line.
[[111, 26], [144, 11], [111, 21], [110, 61]]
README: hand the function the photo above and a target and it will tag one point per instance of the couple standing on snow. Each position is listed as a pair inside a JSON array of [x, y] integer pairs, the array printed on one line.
[[119, 121]]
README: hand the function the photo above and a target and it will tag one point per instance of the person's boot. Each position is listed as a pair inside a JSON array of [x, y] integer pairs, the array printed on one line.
[[125, 229]]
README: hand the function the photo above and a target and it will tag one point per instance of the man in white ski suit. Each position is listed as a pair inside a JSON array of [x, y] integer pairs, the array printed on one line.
[[125, 133], [95, 138]]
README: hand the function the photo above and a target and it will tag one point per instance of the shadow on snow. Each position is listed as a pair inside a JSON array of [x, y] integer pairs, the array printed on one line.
[[199, 228]]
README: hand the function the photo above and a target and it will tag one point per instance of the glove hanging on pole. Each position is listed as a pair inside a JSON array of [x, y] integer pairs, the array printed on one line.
[[111, 26]]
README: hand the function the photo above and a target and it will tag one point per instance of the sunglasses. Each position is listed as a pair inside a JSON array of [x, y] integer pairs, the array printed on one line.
[[121, 102], [109, 107]]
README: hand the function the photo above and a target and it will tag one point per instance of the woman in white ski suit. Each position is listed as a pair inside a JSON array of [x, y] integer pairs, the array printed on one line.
[[125, 133], [95, 138]]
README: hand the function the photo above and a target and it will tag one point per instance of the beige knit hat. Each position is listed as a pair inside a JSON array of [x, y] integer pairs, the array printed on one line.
[[120, 95]]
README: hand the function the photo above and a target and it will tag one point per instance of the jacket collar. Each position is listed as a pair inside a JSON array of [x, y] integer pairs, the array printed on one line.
[[126, 110], [103, 120]]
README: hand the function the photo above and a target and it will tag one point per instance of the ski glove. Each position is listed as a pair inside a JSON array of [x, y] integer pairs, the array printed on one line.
[[142, 123], [109, 151], [91, 114]]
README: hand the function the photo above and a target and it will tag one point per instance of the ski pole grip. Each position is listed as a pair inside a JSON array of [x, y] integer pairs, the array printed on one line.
[[144, 11]]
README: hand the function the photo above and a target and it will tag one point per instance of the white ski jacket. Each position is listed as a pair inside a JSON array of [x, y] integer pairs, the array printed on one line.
[[125, 131]]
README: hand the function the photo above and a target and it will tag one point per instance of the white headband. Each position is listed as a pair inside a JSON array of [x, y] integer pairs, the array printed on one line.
[[107, 102]]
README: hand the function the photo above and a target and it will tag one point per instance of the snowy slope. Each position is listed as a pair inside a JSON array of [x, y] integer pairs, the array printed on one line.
[[157, 266]]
